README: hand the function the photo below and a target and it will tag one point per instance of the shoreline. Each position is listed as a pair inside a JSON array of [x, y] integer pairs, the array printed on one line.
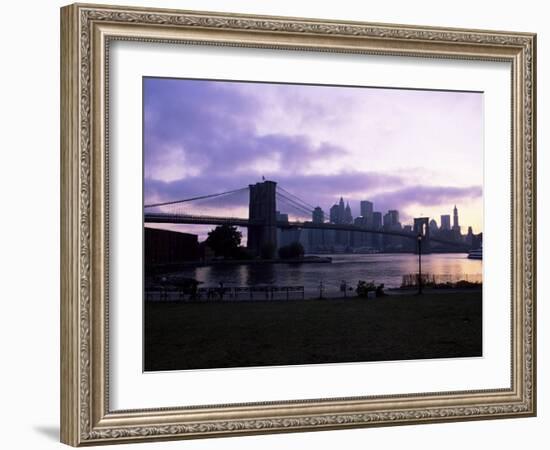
[[317, 258], [236, 262], [389, 292]]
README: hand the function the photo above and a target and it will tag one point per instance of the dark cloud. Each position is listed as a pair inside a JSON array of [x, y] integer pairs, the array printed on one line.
[[318, 190], [325, 190], [210, 125], [211, 131]]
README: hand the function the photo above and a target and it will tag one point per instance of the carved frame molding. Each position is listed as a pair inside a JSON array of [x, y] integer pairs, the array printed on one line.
[[86, 32]]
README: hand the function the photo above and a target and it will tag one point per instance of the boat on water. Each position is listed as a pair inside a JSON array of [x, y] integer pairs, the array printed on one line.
[[476, 253]]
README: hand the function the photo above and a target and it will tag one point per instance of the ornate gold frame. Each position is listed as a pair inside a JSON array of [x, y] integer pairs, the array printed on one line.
[[86, 31]]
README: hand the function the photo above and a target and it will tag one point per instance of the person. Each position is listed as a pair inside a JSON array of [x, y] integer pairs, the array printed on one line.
[[193, 289], [343, 287]]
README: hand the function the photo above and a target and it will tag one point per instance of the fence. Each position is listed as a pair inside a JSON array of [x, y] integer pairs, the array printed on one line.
[[264, 293], [431, 280]]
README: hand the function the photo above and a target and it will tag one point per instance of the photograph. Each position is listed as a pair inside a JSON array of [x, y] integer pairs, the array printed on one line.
[[294, 224], [284, 223]]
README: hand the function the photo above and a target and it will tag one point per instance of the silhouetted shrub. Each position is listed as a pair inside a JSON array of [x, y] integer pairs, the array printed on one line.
[[294, 250], [364, 287]]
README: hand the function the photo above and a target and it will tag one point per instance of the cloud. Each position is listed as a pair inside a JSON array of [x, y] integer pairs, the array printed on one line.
[[197, 126], [426, 196], [317, 190], [319, 143]]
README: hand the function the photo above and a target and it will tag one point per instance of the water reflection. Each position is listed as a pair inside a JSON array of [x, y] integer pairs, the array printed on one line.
[[380, 268]]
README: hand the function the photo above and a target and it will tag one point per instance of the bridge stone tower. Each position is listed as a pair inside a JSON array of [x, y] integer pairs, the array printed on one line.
[[422, 227], [262, 231]]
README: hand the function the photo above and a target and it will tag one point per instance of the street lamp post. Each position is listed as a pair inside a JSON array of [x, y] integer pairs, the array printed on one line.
[[419, 240]]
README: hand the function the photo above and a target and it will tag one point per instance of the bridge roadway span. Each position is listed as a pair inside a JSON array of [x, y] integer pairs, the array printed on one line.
[[239, 222]]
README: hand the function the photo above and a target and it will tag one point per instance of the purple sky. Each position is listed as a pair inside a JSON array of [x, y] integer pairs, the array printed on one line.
[[419, 152]]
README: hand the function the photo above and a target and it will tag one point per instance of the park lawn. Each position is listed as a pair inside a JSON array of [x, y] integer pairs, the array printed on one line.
[[259, 333]]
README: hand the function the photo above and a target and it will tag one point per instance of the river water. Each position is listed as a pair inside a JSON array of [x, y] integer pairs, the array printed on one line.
[[384, 268]]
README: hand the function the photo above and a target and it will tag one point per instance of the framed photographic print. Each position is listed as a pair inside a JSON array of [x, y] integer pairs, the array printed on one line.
[[276, 224]]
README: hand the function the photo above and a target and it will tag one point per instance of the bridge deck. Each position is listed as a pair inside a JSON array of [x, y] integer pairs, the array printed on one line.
[[240, 222]]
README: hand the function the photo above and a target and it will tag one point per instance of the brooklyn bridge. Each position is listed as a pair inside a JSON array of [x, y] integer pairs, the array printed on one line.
[[264, 200]]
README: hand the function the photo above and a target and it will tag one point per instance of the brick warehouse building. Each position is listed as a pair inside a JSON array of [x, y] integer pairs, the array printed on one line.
[[169, 247]]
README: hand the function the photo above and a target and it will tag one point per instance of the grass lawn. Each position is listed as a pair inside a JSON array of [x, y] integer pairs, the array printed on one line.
[[242, 334]]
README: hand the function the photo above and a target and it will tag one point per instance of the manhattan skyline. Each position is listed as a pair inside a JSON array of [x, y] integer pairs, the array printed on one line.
[[419, 152]]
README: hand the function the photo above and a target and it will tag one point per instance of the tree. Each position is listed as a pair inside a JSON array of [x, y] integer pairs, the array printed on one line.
[[364, 287], [294, 250], [224, 240]]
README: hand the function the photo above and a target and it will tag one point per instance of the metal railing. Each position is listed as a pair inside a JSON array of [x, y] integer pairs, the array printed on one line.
[[428, 279], [216, 294]]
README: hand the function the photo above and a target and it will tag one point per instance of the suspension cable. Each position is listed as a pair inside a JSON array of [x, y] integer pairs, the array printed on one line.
[[202, 197], [309, 205], [294, 204]]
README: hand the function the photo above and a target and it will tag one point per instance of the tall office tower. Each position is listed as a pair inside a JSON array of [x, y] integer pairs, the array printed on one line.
[[456, 226], [391, 223], [334, 214], [376, 239], [366, 208], [348, 218], [376, 220], [341, 210], [359, 221], [359, 239], [317, 237], [470, 236], [387, 220], [318, 215], [394, 214], [445, 222], [433, 226]]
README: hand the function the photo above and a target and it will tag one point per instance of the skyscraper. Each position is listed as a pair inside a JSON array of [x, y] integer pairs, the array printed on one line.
[[387, 220], [377, 220], [359, 239], [376, 224], [445, 222], [469, 237], [348, 218], [334, 214], [318, 215], [341, 214], [341, 210], [366, 208], [317, 237], [394, 215], [391, 223], [456, 226], [338, 212], [366, 211]]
